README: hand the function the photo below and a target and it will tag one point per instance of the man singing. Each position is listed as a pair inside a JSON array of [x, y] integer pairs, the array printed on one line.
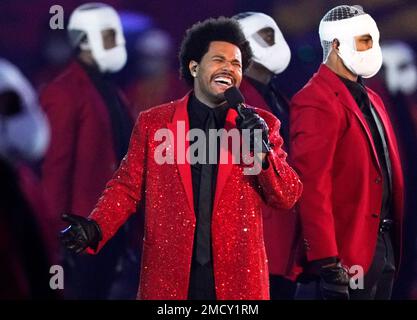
[[203, 222]]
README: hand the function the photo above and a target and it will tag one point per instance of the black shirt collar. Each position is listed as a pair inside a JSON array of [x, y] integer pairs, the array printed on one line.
[[199, 111], [357, 90]]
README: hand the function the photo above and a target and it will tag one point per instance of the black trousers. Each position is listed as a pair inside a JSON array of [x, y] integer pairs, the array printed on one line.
[[201, 282], [378, 281], [100, 277], [281, 288]]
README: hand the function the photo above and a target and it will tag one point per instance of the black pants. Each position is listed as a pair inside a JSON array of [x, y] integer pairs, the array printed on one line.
[[94, 277], [378, 281], [201, 282], [281, 288]]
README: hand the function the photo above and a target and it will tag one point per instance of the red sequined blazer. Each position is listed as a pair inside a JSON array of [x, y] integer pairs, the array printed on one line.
[[239, 259]]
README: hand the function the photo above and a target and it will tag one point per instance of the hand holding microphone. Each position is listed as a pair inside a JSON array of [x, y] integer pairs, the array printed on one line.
[[250, 120]]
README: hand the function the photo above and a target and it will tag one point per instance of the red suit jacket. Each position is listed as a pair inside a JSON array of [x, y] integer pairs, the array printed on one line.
[[81, 157], [279, 225], [333, 152], [240, 264]]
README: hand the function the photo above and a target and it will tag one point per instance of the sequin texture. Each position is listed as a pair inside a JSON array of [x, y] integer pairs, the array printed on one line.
[[240, 263]]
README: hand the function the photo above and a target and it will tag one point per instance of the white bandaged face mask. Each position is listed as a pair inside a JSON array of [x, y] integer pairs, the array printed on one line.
[[275, 57], [92, 21], [362, 63], [25, 134]]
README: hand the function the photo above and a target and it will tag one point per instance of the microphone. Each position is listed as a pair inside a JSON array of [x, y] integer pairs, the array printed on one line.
[[235, 100]]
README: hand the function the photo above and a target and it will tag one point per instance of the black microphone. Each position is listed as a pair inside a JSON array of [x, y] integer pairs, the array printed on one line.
[[235, 99]]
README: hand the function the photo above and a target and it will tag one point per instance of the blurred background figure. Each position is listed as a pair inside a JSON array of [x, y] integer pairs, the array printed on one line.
[[148, 78], [54, 53], [24, 220], [90, 131], [397, 84], [261, 89]]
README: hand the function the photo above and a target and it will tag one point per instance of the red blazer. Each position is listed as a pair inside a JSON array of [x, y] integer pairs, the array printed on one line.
[[333, 152], [240, 264], [279, 225], [81, 157]]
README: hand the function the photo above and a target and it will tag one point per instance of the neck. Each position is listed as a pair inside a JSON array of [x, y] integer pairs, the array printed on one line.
[[209, 103], [259, 73], [87, 58], [335, 63]]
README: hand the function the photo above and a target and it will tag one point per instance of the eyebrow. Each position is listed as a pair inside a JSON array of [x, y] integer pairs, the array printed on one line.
[[365, 37], [224, 58]]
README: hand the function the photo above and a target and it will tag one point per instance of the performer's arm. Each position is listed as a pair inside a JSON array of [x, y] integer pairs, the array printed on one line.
[[280, 184], [123, 192], [118, 201], [313, 141]]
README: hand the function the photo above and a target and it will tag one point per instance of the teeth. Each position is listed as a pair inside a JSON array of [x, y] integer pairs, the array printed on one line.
[[223, 80]]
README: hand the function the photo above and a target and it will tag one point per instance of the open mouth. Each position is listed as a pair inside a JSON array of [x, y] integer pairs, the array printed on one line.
[[224, 81]]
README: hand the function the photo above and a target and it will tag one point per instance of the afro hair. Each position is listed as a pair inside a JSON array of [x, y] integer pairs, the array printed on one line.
[[197, 40]]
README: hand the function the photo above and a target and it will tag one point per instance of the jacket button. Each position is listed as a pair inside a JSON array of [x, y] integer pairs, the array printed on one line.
[[306, 244], [375, 215], [378, 180]]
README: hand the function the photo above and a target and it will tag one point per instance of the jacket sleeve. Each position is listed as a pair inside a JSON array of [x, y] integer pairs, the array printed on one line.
[[280, 184], [57, 166], [123, 192], [313, 141]]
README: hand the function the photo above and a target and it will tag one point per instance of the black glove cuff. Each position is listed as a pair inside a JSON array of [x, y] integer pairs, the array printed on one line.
[[314, 266], [95, 235], [336, 274]]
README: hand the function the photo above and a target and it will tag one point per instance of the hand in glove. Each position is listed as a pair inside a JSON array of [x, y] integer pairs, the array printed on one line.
[[334, 282], [249, 119], [81, 233]]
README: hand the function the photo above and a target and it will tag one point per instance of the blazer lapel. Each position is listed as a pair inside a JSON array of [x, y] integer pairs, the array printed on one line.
[[389, 132], [224, 169], [347, 100], [179, 127]]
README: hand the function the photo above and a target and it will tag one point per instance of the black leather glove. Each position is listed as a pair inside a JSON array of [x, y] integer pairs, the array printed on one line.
[[334, 282], [249, 119], [81, 233]]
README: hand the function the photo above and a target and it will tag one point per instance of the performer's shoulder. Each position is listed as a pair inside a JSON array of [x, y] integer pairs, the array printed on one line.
[[69, 79], [162, 112], [165, 108]]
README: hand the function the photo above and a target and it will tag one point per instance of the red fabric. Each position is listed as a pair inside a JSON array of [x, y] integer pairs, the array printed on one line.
[[252, 96], [279, 224], [15, 277], [35, 195], [239, 258], [81, 157], [332, 150]]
